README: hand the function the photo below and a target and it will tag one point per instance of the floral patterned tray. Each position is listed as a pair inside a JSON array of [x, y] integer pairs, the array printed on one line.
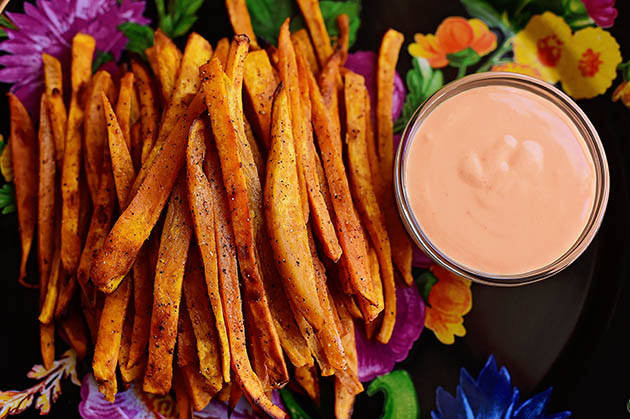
[[471, 351]]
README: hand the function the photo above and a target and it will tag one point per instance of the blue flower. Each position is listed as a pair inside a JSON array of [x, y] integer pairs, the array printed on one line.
[[491, 396]]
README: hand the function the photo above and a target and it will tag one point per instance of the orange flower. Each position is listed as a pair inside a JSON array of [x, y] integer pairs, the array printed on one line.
[[622, 92], [512, 67], [449, 300], [453, 35]]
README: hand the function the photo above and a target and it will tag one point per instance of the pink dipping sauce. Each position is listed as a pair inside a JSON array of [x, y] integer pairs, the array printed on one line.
[[500, 180]]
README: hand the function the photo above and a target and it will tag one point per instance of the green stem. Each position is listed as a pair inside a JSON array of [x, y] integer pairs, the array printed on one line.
[[496, 56], [461, 71]]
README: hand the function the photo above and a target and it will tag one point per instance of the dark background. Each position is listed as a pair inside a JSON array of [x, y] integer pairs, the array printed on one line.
[[568, 332]]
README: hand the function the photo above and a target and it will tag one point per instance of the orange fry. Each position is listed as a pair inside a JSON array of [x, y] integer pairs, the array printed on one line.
[[329, 80], [123, 107], [260, 85], [47, 344], [241, 21], [186, 349], [343, 41], [182, 400], [308, 379], [82, 52], [53, 78], [149, 109], [221, 51], [24, 157], [74, 329], [317, 27], [302, 42], [154, 63], [202, 208], [199, 390], [169, 58], [347, 384]]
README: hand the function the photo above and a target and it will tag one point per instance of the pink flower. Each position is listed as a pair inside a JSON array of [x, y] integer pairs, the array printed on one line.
[[49, 26], [603, 12]]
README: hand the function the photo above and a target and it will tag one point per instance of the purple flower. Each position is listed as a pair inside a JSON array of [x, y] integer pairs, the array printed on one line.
[[49, 26], [603, 12], [376, 358]]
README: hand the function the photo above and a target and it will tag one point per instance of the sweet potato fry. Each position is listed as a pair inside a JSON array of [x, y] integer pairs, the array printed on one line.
[[136, 144], [219, 97], [229, 287], [149, 109], [135, 224], [317, 27], [24, 157], [387, 59], [123, 106], [142, 299], [154, 63], [355, 93], [199, 390], [221, 51], [82, 52], [128, 375], [107, 348], [53, 78], [201, 316], [348, 225], [186, 346], [47, 344], [318, 192], [302, 42], [201, 205], [74, 329], [169, 58], [197, 52], [47, 309], [375, 168], [329, 83], [343, 41], [260, 85], [95, 130], [347, 384], [288, 233], [241, 22], [372, 311], [169, 274], [308, 379], [46, 195], [182, 400]]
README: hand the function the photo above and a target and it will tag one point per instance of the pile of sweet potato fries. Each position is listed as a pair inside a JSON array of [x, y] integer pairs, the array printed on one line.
[[204, 218]]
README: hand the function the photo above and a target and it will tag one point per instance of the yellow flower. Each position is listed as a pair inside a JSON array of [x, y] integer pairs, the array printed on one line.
[[589, 65], [622, 92], [512, 67], [6, 168], [542, 43], [449, 300]]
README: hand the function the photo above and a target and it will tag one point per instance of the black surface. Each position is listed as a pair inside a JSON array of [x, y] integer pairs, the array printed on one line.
[[568, 332]]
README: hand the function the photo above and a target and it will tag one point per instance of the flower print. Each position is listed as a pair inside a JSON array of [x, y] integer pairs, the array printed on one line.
[[449, 300], [542, 43], [603, 12], [622, 92], [512, 67], [589, 65], [49, 26], [453, 35]]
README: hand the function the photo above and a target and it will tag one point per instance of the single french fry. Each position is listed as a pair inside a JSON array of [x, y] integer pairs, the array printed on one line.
[[329, 83], [229, 288], [74, 329], [348, 225], [53, 78], [372, 311], [347, 384], [95, 130], [318, 193], [241, 21], [387, 59], [317, 27], [199, 390], [201, 316], [197, 52], [182, 400], [154, 63], [149, 108], [219, 97], [235, 397], [65, 296], [24, 157], [375, 166], [123, 107], [142, 299], [107, 348], [260, 85], [46, 196], [272, 52], [308, 379], [357, 115], [128, 375], [169, 58], [252, 143], [169, 274], [133, 227], [201, 205], [47, 310], [224, 394], [47, 344], [302, 42], [221, 51], [186, 346], [82, 52], [136, 144], [343, 41]]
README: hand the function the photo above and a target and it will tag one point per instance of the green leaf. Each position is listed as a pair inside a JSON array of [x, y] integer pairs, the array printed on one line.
[[6, 23], [401, 400], [140, 36], [624, 68], [161, 10], [7, 199], [268, 15], [180, 16], [292, 405], [482, 9], [425, 282], [422, 82], [330, 11], [100, 59], [464, 58]]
